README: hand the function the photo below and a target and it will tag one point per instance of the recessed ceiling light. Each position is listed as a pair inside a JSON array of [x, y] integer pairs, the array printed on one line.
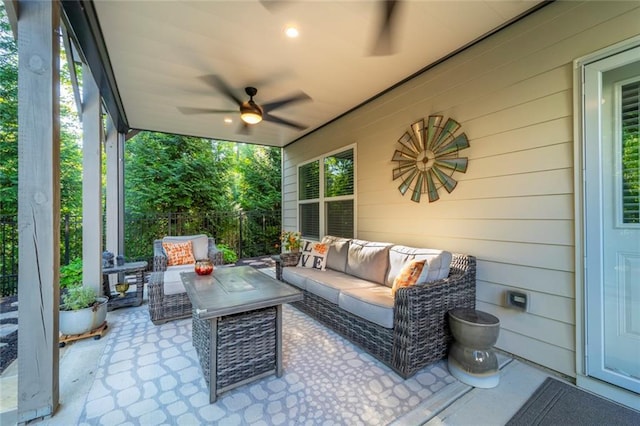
[[291, 31], [227, 120]]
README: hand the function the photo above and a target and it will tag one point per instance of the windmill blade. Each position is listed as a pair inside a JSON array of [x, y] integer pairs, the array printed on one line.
[[219, 84], [192, 110], [384, 42], [298, 97], [278, 120]]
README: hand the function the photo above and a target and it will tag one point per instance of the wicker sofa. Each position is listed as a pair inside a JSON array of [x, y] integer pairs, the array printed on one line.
[[167, 297], [353, 297]]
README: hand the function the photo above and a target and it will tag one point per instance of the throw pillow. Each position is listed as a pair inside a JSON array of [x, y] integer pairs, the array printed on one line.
[[313, 255], [408, 276], [179, 253]]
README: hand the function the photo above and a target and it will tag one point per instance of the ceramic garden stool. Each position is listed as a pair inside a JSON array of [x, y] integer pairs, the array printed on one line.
[[472, 359]]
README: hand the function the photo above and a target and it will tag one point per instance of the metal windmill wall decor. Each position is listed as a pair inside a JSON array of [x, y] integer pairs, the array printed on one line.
[[428, 157]]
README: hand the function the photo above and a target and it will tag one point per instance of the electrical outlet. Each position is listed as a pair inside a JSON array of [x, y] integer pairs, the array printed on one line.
[[517, 300]]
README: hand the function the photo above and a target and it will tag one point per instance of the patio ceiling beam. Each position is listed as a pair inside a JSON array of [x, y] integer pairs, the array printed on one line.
[[92, 136], [84, 27], [38, 208]]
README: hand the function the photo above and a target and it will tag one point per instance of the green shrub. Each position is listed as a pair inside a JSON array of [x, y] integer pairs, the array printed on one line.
[[77, 297], [71, 274], [228, 254]]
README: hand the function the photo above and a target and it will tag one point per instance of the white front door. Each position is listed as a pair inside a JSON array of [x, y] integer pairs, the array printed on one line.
[[612, 210]]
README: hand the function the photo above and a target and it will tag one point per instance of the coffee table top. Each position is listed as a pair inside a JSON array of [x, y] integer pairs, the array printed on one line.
[[235, 289]]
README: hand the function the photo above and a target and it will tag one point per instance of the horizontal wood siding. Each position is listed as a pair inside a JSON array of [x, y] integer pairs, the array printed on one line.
[[514, 208]]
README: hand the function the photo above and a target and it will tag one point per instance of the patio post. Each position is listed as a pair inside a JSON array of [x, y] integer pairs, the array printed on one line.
[[114, 150], [91, 183], [38, 208]]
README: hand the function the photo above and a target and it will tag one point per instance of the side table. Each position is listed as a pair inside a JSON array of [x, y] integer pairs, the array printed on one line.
[[284, 259], [131, 298], [472, 359]]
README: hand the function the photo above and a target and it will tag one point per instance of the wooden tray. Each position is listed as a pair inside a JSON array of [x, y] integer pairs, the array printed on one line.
[[96, 333]]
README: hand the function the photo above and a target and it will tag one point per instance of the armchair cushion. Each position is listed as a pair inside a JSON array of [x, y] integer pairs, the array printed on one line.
[[200, 244]]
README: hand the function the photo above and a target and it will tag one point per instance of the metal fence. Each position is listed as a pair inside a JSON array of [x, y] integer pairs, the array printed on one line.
[[248, 234]]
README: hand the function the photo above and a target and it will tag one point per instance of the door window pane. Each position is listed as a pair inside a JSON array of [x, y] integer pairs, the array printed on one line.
[[630, 119]]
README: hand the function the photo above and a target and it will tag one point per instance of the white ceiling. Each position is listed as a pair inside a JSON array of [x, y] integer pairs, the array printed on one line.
[[159, 49]]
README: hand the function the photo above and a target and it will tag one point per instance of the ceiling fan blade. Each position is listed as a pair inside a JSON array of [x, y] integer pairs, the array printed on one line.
[[270, 106], [278, 120], [273, 5], [192, 110], [384, 42], [219, 84]]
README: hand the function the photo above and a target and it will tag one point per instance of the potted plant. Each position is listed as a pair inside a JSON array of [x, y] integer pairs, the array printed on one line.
[[291, 242], [81, 309]]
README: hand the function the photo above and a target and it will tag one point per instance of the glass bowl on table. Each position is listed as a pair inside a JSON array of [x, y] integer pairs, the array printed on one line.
[[203, 267]]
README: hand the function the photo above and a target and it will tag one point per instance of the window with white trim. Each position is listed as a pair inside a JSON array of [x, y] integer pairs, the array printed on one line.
[[326, 195]]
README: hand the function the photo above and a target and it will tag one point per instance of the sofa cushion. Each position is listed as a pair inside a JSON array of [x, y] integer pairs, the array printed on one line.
[[313, 255], [438, 262], [179, 253], [173, 281], [409, 275], [328, 284], [374, 304], [200, 244], [368, 260], [338, 252], [291, 276]]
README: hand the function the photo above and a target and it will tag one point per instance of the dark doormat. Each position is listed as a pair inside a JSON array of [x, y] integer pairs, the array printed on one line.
[[557, 403]]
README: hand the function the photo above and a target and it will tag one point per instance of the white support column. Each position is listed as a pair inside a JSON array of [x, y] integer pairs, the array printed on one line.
[[91, 183], [114, 149], [38, 208]]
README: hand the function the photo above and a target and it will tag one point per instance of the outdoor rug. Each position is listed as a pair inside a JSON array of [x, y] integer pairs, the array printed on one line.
[[150, 375], [557, 403]]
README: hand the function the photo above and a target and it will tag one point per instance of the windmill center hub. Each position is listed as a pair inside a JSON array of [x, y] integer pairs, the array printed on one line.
[[425, 160]]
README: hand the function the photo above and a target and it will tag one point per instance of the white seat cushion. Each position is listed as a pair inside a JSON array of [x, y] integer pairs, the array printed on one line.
[[374, 304], [173, 281], [328, 284]]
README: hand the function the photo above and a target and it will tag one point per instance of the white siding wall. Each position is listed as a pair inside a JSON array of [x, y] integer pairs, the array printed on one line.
[[513, 209]]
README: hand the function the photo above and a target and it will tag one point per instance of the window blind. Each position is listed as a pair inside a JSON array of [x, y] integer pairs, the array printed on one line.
[[630, 119]]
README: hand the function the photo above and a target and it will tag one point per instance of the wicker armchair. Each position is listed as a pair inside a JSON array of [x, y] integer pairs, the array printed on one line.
[[166, 307]]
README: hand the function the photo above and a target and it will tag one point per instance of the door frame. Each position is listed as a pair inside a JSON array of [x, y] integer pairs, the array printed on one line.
[[599, 387]]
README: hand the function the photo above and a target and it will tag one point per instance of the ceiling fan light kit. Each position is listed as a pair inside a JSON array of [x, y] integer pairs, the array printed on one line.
[[250, 114]]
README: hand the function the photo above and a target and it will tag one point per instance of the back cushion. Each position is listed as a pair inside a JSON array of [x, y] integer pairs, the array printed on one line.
[[438, 262], [200, 244], [368, 260], [338, 252]]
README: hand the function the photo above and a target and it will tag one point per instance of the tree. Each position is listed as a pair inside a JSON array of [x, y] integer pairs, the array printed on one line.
[[260, 177], [70, 151], [8, 118], [178, 174]]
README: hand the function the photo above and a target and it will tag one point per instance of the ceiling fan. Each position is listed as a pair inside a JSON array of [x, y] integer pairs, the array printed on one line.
[[250, 112], [388, 10]]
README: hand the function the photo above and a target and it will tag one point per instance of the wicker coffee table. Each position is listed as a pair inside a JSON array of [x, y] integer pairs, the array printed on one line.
[[237, 325]]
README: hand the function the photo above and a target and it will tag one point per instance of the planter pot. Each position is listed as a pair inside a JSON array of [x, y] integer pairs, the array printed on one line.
[[83, 320]]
